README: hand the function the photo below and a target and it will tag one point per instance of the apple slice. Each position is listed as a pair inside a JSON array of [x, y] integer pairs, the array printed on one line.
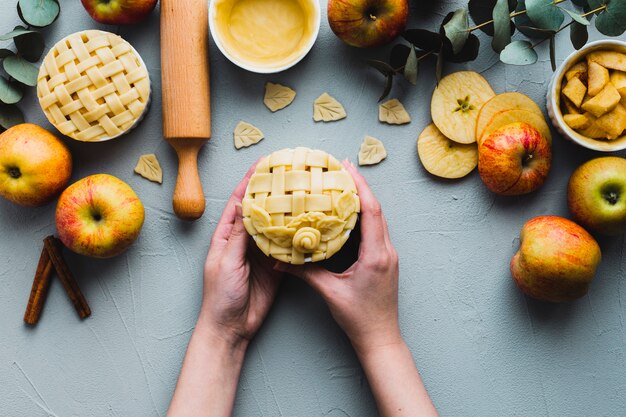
[[443, 157], [506, 117], [505, 101], [456, 102], [609, 59], [598, 78], [578, 70]]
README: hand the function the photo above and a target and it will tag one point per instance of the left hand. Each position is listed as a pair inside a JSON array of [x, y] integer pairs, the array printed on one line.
[[239, 282]]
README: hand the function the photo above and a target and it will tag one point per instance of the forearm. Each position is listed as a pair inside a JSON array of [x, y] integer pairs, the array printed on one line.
[[208, 379], [395, 382]]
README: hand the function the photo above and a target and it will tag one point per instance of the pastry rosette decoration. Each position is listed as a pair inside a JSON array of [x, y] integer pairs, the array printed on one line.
[[300, 205]]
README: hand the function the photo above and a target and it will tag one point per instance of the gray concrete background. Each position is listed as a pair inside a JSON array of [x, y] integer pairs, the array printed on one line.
[[483, 349]]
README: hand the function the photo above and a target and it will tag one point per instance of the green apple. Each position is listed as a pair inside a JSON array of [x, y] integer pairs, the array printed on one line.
[[596, 195], [34, 165], [99, 216], [367, 23], [515, 159], [556, 261]]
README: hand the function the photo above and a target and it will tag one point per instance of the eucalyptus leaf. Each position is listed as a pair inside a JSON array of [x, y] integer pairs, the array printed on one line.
[[544, 14], [5, 53], [577, 17], [21, 70], [388, 85], [611, 21], [424, 39], [38, 13], [410, 68], [468, 53], [439, 67], [399, 54], [456, 30], [382, 67], [502, 25], [525, 25], [18, 31], [553, 52], [30, 46], [10, 115], [519, 53], [580, 3], [578, 34], [481, 11], [10, 92]]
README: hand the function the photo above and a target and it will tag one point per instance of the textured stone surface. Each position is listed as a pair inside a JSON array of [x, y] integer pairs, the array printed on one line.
[[482, 348]]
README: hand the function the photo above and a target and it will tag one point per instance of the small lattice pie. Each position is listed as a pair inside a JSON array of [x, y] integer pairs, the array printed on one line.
[[93, 86], [300, 205]]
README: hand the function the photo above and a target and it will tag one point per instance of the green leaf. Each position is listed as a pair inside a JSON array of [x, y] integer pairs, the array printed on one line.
[[544, 14], [382, 67], [577, 17], [525, 25], [578, 34], [580, 3], [553, 52], [410, 68], [398, 56], [18, 31], [468, 53], [439, 67], [481, 11], [30, 46], [518, 53], [10, 92], [424, 39], [5, 53], [10, 115], [456, 30], [611, 21], [21, 70], [502, 25], [38, 13], [387, 90]]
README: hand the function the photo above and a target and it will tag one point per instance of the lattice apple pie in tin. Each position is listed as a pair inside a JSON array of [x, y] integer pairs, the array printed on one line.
[[93, 86], [300, 205]]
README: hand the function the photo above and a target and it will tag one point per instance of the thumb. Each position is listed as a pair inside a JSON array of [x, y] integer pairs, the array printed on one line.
[[238, 240], [317, 277]]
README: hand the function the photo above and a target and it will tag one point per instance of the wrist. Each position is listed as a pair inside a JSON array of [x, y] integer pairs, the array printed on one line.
[[224, 339], [379, 341]]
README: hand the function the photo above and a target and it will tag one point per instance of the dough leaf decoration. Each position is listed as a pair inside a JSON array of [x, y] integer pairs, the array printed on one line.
[[393, 113], [278, 96], [327, 109], [372, 151], [246, 135], [280, 235], [330, 227], [148, 167], [306, 219], [260, 218], [346, 205]]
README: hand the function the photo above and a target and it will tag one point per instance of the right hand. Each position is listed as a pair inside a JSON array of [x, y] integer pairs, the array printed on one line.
[[364, 298]]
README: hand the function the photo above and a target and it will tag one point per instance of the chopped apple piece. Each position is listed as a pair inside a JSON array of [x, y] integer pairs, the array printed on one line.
[[443, 157], [575, 90], [505, 101], [568, 107], [609, 59], [593, 131], [578, 70], [577, 121], [603, 102], [613, 122], [598, 78], [618, 79], [513, 116]]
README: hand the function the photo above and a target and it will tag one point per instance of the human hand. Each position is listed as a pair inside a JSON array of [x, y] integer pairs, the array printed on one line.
[[239, 281], [364, 298]]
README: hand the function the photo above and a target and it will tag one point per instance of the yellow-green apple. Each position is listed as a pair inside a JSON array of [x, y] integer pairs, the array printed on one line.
[[99, 216], [556, 261], [367, 23], [119, 12], [515, 159], [596, 195], [34, 165]]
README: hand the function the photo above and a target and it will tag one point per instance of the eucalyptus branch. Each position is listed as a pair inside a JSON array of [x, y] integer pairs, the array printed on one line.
[[513, 14]]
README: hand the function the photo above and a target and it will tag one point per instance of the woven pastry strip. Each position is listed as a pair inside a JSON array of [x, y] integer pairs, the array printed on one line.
[[300, 205], [93, 86]]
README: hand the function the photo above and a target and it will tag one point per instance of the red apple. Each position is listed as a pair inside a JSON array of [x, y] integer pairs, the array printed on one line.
[[557, 259], [515, 159], [367, 23], [99, 216], [119, 12], [596, 195], [34, 165]]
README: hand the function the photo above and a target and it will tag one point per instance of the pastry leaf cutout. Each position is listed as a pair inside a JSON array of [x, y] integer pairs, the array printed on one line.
[[246, 134], [372, 151], [148, 167], [280, 235], [393, 113], [327, 109], [278, 96]]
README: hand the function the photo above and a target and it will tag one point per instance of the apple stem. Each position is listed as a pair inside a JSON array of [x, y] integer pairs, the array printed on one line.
[[14, 172], [372, 17], [612, 197]]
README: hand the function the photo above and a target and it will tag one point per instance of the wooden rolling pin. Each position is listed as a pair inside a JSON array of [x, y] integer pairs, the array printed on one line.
[[186, 96]]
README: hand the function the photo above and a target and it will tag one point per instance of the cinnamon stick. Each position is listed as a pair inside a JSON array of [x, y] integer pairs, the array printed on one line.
[[39, 290], [52, 245]]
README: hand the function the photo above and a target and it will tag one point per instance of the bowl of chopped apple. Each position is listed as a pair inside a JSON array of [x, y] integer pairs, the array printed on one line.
[[587, 96]]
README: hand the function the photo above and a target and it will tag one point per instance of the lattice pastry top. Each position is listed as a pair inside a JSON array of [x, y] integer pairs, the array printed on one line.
[[300, 205], [93, 86]]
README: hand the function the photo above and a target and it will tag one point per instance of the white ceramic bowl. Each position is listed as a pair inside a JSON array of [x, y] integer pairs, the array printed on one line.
[[262, 69], [554, 98]]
